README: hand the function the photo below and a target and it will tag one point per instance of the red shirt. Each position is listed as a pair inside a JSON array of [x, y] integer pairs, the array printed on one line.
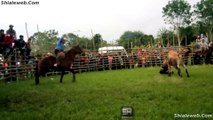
[[8, 40]]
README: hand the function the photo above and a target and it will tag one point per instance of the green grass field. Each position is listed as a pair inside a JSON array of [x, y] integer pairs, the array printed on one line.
[[100, 95]]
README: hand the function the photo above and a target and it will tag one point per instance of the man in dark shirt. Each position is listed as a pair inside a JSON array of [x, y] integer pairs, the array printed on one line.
[[20, 44], [2, 37]]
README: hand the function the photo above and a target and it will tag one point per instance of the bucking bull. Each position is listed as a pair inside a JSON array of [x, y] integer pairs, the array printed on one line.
[[176, 60]]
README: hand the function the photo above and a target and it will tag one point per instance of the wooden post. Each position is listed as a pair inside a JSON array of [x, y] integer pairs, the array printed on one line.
[[37, 28], [93, 40], [26, 30]]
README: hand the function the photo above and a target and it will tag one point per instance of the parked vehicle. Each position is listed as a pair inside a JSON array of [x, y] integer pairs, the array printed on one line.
[[113, 50]]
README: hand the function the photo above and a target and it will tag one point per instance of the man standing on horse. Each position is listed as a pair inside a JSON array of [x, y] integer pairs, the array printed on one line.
[[60, 45], [59, 49]]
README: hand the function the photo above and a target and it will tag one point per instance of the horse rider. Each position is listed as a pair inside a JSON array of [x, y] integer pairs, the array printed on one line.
[[60, 45], [59, 49]]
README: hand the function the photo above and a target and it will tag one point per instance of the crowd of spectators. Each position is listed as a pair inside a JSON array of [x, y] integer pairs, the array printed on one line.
[[202, 42], [12, 46], [9, 43]]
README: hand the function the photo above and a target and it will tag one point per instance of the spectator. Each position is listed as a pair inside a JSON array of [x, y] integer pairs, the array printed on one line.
[[206, 41], [11, 31], [20, 44], [159, 45], [198, 42], [204, 45], [2, 37], [7, 44], [28, 47], [110, 58], [168, 45]]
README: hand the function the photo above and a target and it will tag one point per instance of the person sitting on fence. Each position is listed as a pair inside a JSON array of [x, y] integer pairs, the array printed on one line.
[[28, 47], [110, 59], [168, 45], [59, 48], [204, 45], [11, 31], [198, 42], [159, 45], [206, 40], [7, 44], [20, 44], [2, 37]]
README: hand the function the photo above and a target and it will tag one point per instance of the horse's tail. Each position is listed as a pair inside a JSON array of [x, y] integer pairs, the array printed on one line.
[[36, 74]]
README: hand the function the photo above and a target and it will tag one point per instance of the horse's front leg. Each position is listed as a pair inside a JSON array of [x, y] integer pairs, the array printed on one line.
[[37, 79], [37, 74], [62, 75]]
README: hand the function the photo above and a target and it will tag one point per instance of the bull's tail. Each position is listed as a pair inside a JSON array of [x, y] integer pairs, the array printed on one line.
[[36, 74]]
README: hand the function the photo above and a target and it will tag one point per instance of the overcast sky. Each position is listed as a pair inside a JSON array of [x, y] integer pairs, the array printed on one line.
[[110, 18]]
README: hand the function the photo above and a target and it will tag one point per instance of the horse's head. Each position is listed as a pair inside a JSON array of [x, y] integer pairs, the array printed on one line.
[[77, 49]]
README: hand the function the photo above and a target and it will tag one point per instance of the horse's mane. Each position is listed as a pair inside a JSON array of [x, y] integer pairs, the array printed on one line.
[[70, 50]]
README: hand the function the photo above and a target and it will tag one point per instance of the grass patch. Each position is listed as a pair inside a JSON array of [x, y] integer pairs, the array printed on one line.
[[100, 95]]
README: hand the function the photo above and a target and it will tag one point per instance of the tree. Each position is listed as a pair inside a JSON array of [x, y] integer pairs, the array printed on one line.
[[97, 41], [130, 39], [84, 42], [188, 35], [177, 13], [44, 41], [166, 36], [71, 38], [204, 12]]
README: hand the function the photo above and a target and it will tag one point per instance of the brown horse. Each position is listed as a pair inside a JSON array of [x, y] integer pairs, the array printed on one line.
[[47, 63]]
